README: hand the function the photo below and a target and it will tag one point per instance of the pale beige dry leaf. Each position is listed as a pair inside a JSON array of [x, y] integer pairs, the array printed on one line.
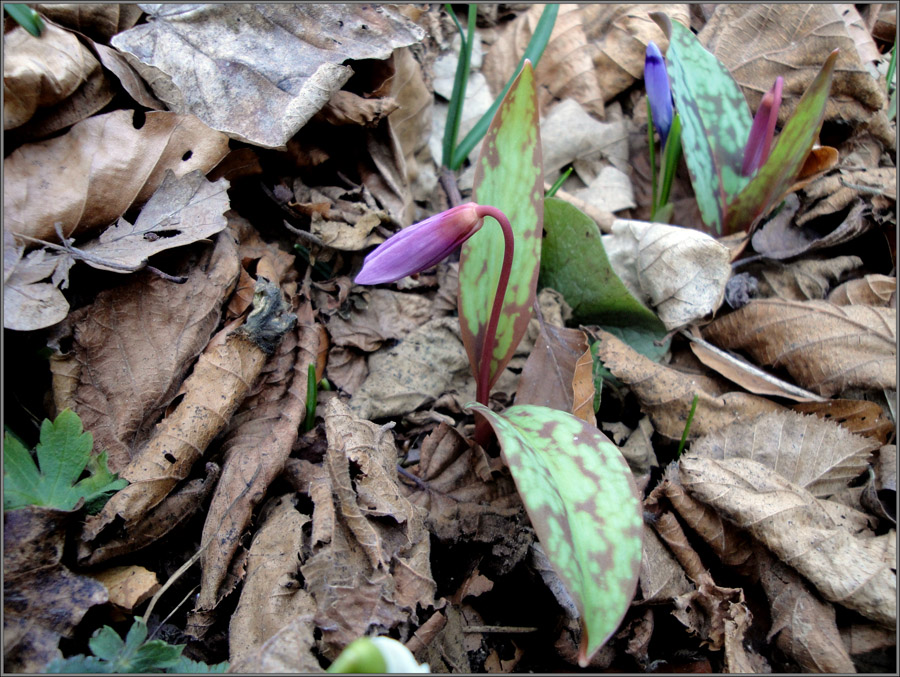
[[99, 21], [794, 526], [662, 578], [862, 36], [118, 376], [860, 417], [556, 374], [272, 594], [381, 315], [197, 61], [256, 447], [568, 133], [870, 290], [128, 586], [825, 348], [290, 650], [181, 211], [412, 121], [565, 69], [834, 193], [618, 34], [131, 82], [42, 72], [28, 302], [638, 448], [109, 166], [817, 454], [665, 394], [679, 271], [757, 43]]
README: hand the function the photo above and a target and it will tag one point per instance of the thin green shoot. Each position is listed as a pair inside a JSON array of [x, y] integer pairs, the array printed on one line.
[[533, 52], [671, 155], [559, 182], [312, 397], [687, 425], [892, 87], [26, 17], [457, 98], [325, 385]]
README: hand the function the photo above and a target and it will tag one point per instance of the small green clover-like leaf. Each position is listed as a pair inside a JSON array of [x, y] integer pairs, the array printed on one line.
[[715, 121], [508, 176], [63, 454], [785, 162], [584, 505]]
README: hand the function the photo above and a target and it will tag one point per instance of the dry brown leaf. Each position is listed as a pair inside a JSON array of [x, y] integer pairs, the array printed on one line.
[[100, 21], [119, 377], [662, 578], [870, 290], [618, 37], [565, 69], [794, 526], [196, 62], [367, 561], [835, 192], [290, 650], [757, 43], [115, 62], [216, 387], [666, 394], [256, 447], [861, 638], [860, 417], [808, 279], [49, 82], [181, 211], [272, 594], [174, 511], [679, 271], [857, 29], [558, 373], [30, 301], [42, 599], [825, 348], [128, 586], [568, 134], [109, 166], [412, 120], [817, 454], [380, 315]]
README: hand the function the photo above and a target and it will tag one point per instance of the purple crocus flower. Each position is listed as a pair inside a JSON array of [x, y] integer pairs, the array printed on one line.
[[421, 245], [656, 81], [759, 142]]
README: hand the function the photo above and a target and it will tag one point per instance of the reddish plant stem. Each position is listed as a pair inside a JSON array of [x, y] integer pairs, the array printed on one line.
[[490, 334]]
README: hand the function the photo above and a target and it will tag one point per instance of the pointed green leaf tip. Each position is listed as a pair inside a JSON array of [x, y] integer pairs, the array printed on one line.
[[584, 505]]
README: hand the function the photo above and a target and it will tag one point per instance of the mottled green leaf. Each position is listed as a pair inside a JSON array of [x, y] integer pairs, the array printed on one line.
[[715, 120], [508, 176], [583, 503], [783, 167], [574, 263]]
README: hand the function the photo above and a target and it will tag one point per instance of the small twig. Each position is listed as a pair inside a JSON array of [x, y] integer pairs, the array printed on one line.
[[422, 484], [505, 629], [305, 236], [177, 279], [869, 190]]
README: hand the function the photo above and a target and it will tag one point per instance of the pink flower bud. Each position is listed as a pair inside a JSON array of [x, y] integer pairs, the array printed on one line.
[[760, 141]]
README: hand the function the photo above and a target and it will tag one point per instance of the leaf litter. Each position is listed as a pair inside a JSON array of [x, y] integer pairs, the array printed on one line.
[[768, 544]]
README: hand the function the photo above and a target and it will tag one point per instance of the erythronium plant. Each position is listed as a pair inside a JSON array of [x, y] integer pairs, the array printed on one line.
[[576, 487], [736, 179], [661, 116]]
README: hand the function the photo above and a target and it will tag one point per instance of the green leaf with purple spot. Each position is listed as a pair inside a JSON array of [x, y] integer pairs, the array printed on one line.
[[715, 120], [508, 176], [584, 506], [783, 167]]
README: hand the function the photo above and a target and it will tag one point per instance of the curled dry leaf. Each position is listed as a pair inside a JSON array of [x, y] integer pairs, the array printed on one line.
[[681, 272], [110, 165], [216, 387], [53, 77], [256, 447], [272, 595], [412, 120], [181, 211], [824, 347], [860, 417], [795, 527], [665, 394], [42, 599], [100, 21], [817, 454], [29, 301], [111, 338], [757, 43], [558, 373], [196, 62], [808, 279], [870, 290], [836, 192], [367, 561]]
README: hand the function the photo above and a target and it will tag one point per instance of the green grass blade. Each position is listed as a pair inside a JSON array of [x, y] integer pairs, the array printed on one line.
[[457, 97], [671, 155], [26, 17], [558, 183], [508, 176], [584, 506], [715, 121], [533, 53], [780, 171]]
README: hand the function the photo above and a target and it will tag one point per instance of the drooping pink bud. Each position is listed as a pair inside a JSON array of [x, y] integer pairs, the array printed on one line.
[[763, 130], [421, 245]]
